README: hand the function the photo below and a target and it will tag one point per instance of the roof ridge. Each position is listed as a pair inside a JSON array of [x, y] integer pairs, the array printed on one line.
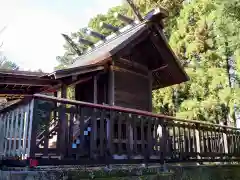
[[109, 38]]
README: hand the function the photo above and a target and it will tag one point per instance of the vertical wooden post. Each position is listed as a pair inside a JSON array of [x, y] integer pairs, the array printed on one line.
[[111, 86], [20, 133], [55, 107], [7, 121], [11, 133], [163, 142], [63, 124], [63, 91], [110, 122], [16, 129], [150, 108], [95, 90], [30, 128], [130, 135], [150, 91], [2, 134], [25, 129], [33, 123]]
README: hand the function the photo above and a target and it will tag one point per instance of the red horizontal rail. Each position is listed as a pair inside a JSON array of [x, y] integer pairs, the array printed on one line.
[[126, 110]]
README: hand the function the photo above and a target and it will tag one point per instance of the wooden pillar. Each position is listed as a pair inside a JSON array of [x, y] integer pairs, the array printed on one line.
[[2, 135], [7, 120], [95, 90], [12, 132], [62, 136], [32, 127], [131, 142], [110, 122], [34, 119], [163, 141], [95, 100], [63, 91], [150, 90], [111, 86]]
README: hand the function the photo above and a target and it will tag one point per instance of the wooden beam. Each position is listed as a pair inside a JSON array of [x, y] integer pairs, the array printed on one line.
[[56, 87], [80, 81], [125, 110], [116, 68], [160, 68], [135, 10], [160, 42], [65, 73], [134, 64]]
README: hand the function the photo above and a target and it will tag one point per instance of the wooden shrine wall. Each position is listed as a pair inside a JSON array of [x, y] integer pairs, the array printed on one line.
[[132, 89]]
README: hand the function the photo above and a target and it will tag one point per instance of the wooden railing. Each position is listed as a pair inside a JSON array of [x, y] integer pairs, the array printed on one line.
[[16, 129], [64, 131]]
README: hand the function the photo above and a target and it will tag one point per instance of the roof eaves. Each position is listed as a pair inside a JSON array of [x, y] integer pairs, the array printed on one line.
[[176, 60], [78, 71], [105, 44]]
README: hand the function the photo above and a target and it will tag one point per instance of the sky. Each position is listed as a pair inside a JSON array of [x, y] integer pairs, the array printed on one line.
[[32, 37]]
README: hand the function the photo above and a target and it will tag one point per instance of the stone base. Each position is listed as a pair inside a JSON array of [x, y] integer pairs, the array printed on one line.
[[124, 172]]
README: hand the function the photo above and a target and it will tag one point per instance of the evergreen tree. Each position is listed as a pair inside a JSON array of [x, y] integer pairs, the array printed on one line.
[[207, 96]]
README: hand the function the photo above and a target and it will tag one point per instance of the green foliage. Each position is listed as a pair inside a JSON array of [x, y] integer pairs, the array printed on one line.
[[107, 18], [6, 64], [172, 6], [204, 40]]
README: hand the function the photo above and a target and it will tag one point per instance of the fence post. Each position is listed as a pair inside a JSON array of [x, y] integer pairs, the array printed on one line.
[[63, 125], [30, 128], [2, 136], [197, 140], [16, 129], [163, 143], [33, 131], [225, 142], [7, 121]]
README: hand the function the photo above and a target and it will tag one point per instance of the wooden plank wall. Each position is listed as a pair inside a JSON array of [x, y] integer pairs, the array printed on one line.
[[131, 86]]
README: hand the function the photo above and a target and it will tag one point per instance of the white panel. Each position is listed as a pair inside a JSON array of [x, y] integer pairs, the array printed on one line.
[[16, 129], [30, 127], [11, 133], [7, 122], [25, 130], [20, 135], [2, 135]]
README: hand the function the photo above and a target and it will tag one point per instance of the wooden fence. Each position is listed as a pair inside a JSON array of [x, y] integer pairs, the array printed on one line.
[[58, 131]]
